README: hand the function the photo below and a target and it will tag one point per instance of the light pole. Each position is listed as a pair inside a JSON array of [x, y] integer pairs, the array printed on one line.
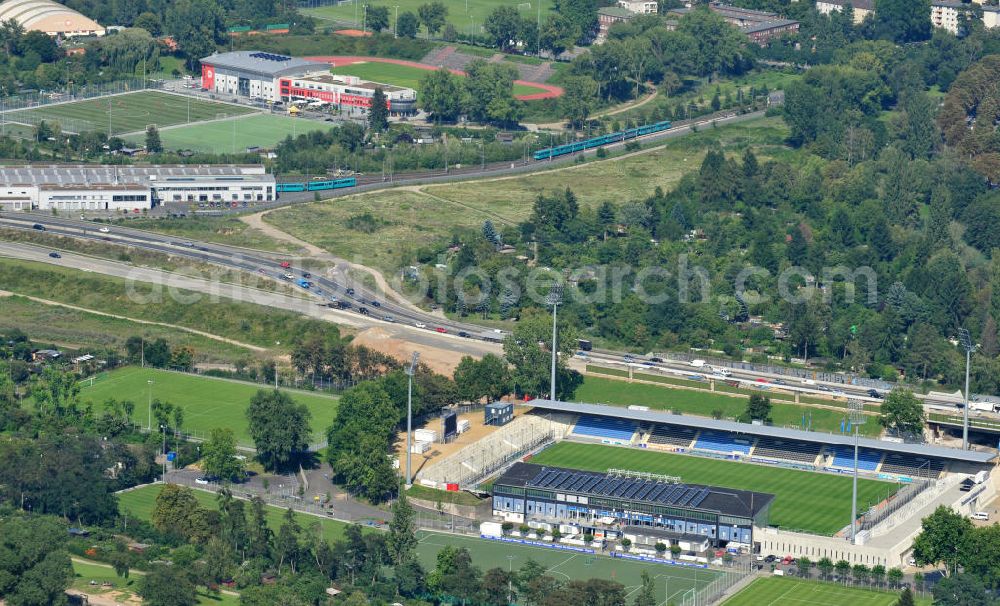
[[395, 27], [857, 418], [965, 340], [149, 408], [554, 298], [409, 417]]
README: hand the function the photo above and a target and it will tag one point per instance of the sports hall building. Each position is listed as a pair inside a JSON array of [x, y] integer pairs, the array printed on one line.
[[623, 502], [131, 188], [280, 78], [50, 17]]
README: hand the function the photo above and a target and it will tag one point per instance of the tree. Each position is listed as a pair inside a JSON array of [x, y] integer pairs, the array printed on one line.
[[197, 26], [150, 22], [878, 573], [442, 94], [378, 113], [906, 598], [407, 25], [804, 565], [35, 568], [173, 510], [433, 16], [503, 26], [402, 539], [558, 33], [979, 554], [490, 92], [219, 455], [647, 593], [531, 363], [903, 21], [942, 536], [167, 586], [577, 101], [153, 144], [825, 567], [961, 590], [971, 96], [279, 428], [843, 568], [376, 18], [902, 412], [487, 378], [895, 577], [759, 408]]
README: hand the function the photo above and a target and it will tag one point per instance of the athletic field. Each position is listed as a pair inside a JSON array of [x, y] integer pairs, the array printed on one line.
[[208, 402], [811, 502], [486, 554], [235, 135], [127, 113], [403, 75], [461, 13], [786, 591]]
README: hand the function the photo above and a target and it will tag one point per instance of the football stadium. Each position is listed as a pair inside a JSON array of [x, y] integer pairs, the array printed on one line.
[[701, 487]]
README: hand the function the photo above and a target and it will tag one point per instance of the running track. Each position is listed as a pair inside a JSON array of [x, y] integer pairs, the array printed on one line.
[[551, 91]]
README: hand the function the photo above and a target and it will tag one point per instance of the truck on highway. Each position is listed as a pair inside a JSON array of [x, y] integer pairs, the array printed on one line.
[[983, 406]]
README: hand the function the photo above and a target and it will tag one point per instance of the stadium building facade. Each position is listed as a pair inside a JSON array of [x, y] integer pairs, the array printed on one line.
[[131, 188], [619, 502], [279, 78]]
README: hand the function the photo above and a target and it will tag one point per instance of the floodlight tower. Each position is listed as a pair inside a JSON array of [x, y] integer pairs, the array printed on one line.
[[965, 340], [409, 416], [857, 418], [555, 297]]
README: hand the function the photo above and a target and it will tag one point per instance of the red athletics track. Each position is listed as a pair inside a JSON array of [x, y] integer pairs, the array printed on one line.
[[551, 91]]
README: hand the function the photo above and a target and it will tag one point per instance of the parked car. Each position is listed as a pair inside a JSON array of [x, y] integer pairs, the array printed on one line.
[[982, 516]]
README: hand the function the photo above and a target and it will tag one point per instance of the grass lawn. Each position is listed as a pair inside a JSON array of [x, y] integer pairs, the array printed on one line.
[[803, 501], [445, 496], [406, 220], [84, 572], [208, 402], [222, 230], [235, 135], [403, 75], [786, 591], [597, 390], [461, 13], [129, 112], [73, 328]]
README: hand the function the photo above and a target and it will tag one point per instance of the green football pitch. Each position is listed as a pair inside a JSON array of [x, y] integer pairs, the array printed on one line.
[[485, 553], [208, 402], [785, 591], [465, 15], [129, 112], [803, 501], [403, 75], [235, 135]]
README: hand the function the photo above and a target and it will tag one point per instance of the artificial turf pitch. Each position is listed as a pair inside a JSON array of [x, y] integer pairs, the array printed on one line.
[[129, 112], [207, 402], [235, 135], [817, 503], [786, 591], [403, 75], [485, 553]]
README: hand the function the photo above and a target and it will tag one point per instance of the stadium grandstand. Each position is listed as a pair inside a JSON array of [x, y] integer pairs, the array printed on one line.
[[50, 17], [763, 443]]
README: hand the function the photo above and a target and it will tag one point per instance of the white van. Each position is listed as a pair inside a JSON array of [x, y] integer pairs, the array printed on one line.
[[981, 516], [697, 363]]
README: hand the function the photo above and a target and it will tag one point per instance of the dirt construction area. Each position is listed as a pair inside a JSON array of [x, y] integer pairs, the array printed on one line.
[[477, 431]]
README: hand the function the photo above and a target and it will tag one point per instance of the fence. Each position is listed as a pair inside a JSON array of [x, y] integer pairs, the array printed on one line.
[[76, 93], [898, 502]]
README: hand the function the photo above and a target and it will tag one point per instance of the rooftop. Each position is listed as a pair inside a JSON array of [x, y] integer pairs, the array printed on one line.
[[650, 416], [325, 78], [258, 62], [725, 501], [80, 174], [616, 11]]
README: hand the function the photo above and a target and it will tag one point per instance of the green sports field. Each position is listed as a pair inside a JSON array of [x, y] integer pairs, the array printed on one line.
[[403, 75], [207, 402], [461, 13], [129, 112], [811, 502], [236, 134], [786, 591], [485, 553]]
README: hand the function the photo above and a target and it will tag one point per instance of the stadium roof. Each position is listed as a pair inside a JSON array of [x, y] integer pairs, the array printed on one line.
[[49, 17], [649, 416], [76, 174], [263, 64], [725, 501]]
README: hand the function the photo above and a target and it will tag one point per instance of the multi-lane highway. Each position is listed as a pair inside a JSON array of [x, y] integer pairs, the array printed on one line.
[[335, 284]]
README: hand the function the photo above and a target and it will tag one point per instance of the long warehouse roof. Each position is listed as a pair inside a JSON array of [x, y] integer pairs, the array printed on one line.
[[650, 416]]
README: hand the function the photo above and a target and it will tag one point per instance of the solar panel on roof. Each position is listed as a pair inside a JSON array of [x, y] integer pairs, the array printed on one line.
[[661, 489], [622, 488], [599, 488], [675, 494], [556, 480], [701, 496], [636, 489], [613, 486], [688, 496], [591, 482]]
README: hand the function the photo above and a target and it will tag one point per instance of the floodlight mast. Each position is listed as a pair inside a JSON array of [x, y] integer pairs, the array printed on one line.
[[965, 340], [409, 417], [555, 297], [857, 418]]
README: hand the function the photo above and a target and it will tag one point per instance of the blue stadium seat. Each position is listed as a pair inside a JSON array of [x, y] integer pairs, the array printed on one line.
[[843, 457], [604, 427], [722, 442]]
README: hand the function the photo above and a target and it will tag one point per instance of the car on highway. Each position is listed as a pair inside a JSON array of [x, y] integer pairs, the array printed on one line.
[[462, 333], [628, 357], [350, 291], [697, 363], [55, 255], [874, 393], [38, 226], [261, 270], [306, 274], [363, 311], [441, 329], [285, 264], [201, 481], [420, 325], [286, 276], [388, 318], [376, 303], [104, 230], [189, 244]]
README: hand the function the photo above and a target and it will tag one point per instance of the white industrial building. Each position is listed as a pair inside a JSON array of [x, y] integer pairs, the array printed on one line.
[[252, 74], [131, 188]]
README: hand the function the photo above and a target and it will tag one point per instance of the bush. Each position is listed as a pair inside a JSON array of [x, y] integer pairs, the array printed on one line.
[[661, 548]]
